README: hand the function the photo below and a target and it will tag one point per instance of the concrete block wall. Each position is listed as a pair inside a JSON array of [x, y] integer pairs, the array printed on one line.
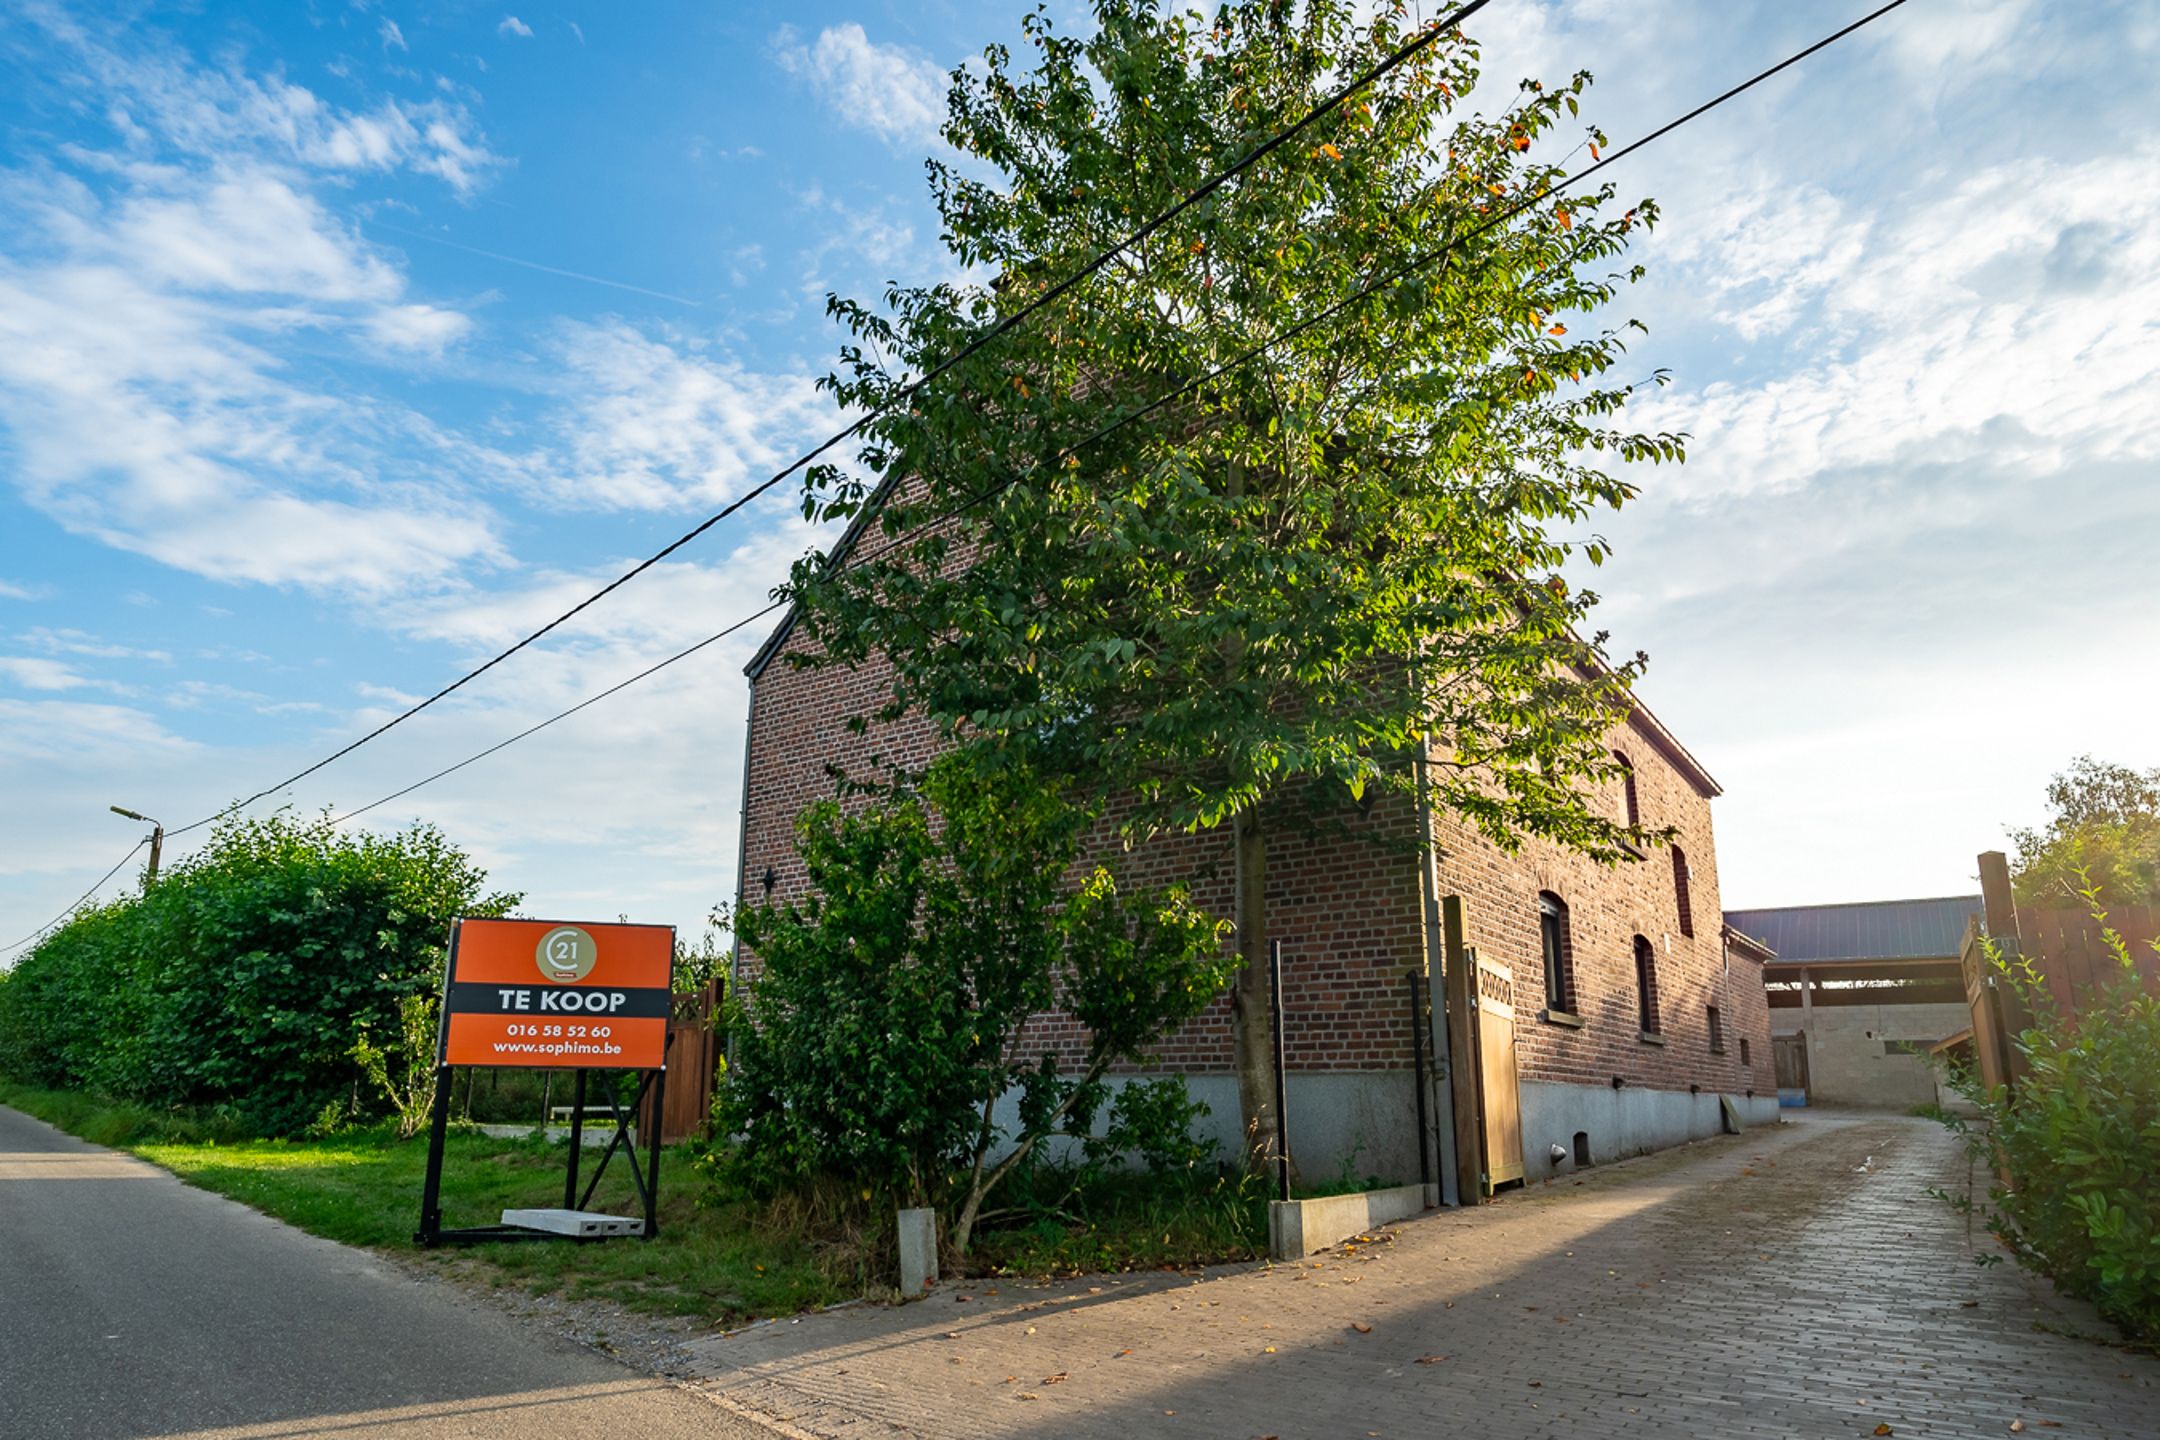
[[1848, 1063]]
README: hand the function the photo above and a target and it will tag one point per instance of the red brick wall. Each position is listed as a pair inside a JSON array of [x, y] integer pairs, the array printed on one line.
[[1607, 907], [1347, 909]]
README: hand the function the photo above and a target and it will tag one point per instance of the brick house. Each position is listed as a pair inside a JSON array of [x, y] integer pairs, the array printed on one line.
[[1633, 1011]]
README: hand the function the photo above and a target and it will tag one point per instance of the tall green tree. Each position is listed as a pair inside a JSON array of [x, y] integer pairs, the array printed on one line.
[[2102, 834], [1331, 570]]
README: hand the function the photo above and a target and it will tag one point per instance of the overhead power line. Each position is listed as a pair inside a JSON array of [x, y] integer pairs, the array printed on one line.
[[43, 930], [1428, 36], [1363, 292]]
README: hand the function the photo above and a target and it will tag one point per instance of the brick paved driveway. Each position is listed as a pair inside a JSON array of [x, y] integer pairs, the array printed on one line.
[[1788, 1282]]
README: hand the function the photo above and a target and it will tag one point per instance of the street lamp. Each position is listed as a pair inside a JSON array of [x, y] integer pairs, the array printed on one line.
[[157, 841]]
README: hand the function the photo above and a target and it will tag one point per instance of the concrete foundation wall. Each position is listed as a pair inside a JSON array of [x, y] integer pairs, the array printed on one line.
[[1622, 1122], [1847, 1060], [1364, 1122]]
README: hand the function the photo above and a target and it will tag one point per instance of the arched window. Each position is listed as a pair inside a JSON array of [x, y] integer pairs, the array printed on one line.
[[1680, 891], [1631, 807], [1646, 1006], [1553, 935]]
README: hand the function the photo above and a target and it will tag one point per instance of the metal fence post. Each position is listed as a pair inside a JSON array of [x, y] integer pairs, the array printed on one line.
[[1282, 1078]]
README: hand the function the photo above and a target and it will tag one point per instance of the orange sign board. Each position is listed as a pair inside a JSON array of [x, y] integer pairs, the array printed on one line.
[[557, 993]]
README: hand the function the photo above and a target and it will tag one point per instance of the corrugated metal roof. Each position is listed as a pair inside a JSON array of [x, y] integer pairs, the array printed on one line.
[[1876, 930]]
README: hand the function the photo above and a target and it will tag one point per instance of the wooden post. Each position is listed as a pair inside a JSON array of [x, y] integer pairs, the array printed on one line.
[[1995, 898], [1463, 1075]]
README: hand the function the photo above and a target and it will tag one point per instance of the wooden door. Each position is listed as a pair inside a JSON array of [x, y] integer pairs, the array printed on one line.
[[1499, 1087], [1790, 1053]]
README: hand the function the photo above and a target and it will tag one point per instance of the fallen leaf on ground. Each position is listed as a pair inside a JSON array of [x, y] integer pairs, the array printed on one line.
[[2016, 1426], [1267, 1350], [1121, 1354], [1057, 1379], [1883, 1430], [1361, 1327], [1430, 1359]]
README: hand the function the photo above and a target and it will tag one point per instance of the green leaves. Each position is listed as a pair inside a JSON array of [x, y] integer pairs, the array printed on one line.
[[1289, 565], [2080, 1137], [880, 1031], [265, 975]]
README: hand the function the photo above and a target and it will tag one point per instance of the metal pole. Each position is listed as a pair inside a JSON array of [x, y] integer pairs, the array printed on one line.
[[655, 1130], [1282, 1079], [1417, 1051], [157, 849], [431, 1187], [577, 1141]]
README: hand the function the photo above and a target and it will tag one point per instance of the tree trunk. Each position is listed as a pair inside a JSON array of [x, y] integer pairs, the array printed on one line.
[[1251, 1025]]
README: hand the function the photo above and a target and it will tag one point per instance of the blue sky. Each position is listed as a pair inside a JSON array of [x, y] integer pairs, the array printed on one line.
[[342, 343]]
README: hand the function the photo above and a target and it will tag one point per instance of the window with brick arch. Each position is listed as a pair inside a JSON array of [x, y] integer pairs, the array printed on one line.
[[1553, 939], [1630, 803], [1680, 891], [1717, 1031], [1646, 1006]]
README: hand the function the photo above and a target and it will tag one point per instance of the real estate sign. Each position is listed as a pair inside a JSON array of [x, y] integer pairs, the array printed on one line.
[[557, 993]]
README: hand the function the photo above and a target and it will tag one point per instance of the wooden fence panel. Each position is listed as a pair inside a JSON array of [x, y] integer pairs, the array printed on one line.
[[2068, 949], [694, 1046]]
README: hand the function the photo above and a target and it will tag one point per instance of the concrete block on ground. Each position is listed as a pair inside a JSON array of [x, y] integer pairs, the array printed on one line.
[[918, 1251], [1297, 1228]]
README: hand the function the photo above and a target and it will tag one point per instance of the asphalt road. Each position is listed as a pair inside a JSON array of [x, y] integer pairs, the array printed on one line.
[[132, 1306]]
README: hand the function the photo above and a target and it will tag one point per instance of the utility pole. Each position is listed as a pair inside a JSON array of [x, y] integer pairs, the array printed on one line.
[[157, 842]]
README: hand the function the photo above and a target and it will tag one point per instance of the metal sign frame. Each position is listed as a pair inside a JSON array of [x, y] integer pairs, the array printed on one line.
[[644, 1177]]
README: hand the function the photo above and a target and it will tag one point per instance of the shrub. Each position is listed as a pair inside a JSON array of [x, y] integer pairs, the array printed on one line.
[[2079, 1137], [883, 1029], [250, 976]]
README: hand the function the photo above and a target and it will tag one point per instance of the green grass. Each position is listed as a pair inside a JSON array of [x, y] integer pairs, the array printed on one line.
[[716, 1259], [723, 1262], [1053, 1224]]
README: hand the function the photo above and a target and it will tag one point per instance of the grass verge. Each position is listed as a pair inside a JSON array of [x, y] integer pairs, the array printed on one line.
[[723, 1262], [718, 1259]]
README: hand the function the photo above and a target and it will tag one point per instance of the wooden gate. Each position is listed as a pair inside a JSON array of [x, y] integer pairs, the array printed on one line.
[[1789, 1052], [1499, 1086], [1481, 1044]]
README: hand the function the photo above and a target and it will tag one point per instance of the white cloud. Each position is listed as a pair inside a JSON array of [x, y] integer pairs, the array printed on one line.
[[67, 641], [651, 424], [1939, 48], [511, 25], [53, 729], [1910, 337], [422, 328], [164, 106], [31, 673], [392, 37], [891, 91], [250, 231], [9, 590], [147, 419]]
